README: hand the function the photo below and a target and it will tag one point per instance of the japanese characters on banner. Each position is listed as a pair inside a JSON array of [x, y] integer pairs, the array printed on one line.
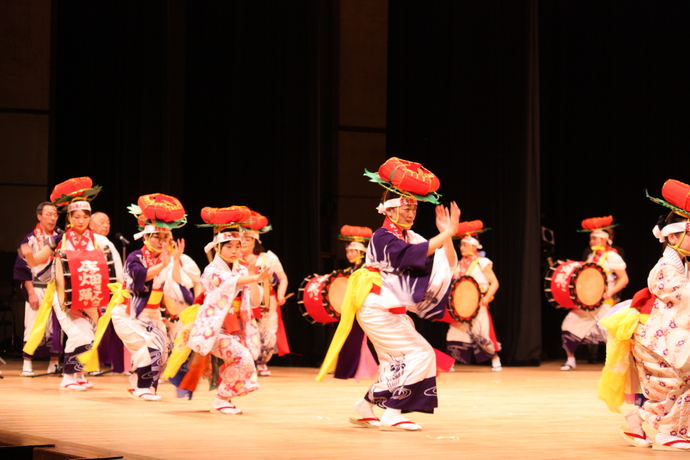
[[89, 277]]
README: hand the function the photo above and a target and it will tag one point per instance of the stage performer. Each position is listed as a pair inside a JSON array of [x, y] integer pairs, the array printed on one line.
[[269, 315], [224, 326], [655, 327], [403, 272], [87, 256], [356, 249], [156, 271], [33, 284], [478, 336], [580, 326], [355, 359]]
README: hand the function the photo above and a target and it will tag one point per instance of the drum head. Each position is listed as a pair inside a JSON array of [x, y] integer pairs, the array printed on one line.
[[464, 298], [336, 292], [589, 287]]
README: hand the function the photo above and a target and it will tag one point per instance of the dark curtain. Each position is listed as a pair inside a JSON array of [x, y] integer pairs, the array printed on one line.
[[463, 100], [615, 106], [233, 82]]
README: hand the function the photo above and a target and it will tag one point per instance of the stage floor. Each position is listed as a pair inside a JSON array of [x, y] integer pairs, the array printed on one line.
[[520, 413]]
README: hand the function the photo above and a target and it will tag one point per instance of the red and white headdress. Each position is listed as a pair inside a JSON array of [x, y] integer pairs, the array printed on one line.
[[677, 198], [220, 219], [74, 194], [407, 179], [357, 236], [157, 212], [468, 232], [597, 226], [256, 225]]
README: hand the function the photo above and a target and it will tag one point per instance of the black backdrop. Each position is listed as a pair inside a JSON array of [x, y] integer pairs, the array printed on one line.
[[531, 113]]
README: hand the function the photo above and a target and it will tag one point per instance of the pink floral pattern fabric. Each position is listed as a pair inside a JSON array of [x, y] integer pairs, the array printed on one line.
[[238, 350], [667, 390], [661, 349], [667, 331]]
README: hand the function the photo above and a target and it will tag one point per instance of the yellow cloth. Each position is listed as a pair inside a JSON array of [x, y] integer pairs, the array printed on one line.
[[39, 328], [90, 358], [155, 297], [358, 288], [616, 375], [181, 351]]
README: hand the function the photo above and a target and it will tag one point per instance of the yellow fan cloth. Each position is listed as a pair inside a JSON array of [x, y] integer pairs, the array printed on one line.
[[90, 358], [39, 328], [358, 288], [181, 351], [617, 375]]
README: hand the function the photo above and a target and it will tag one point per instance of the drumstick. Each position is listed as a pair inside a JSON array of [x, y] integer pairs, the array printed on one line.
[[289, 295]]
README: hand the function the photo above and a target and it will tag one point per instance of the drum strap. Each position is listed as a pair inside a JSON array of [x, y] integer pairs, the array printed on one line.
[[601, 259], [471, 267]]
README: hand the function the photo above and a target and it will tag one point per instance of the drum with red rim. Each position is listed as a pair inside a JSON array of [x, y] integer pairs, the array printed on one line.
[[573, 284], [320, 297], [463, 300]]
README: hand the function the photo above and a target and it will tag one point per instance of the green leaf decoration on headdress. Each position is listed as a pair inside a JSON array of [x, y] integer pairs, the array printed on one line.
[[374, 177], [676, 209]]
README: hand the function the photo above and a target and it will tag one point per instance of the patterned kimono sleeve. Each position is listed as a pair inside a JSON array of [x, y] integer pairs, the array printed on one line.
[[401, 255], [136, 272], [669, 285], [221, 289], [22, 271]]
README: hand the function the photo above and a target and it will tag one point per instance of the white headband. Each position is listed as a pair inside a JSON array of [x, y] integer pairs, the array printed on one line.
[[79, 205], [675, 227], [148, 229], [253, 234], [602, 234], [392, 203], [471, 240], [221, 238], [357, 246]]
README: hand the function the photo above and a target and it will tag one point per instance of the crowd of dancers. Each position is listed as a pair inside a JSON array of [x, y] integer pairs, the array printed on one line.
[[159, 316]]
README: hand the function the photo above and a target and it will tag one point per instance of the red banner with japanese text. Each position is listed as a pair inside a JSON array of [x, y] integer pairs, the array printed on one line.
[[89, 277]]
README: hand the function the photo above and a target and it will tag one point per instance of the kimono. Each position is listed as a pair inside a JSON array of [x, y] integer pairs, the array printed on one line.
[[79, 325], [224, 328], [409, 281], [581, 326], [40, 276], [270, 320], [661, 348], [139, 323], [477, 337]]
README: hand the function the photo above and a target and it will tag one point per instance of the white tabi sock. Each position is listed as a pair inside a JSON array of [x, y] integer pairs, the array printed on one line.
[[365, 409]]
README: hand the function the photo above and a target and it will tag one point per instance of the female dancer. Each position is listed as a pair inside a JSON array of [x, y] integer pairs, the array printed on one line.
[[656, 329], [269, 316], [223, 325], [83, 252], [152, 272], [477, 337]]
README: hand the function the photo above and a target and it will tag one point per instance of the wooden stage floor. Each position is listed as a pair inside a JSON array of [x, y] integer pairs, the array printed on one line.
[[520, 413]]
